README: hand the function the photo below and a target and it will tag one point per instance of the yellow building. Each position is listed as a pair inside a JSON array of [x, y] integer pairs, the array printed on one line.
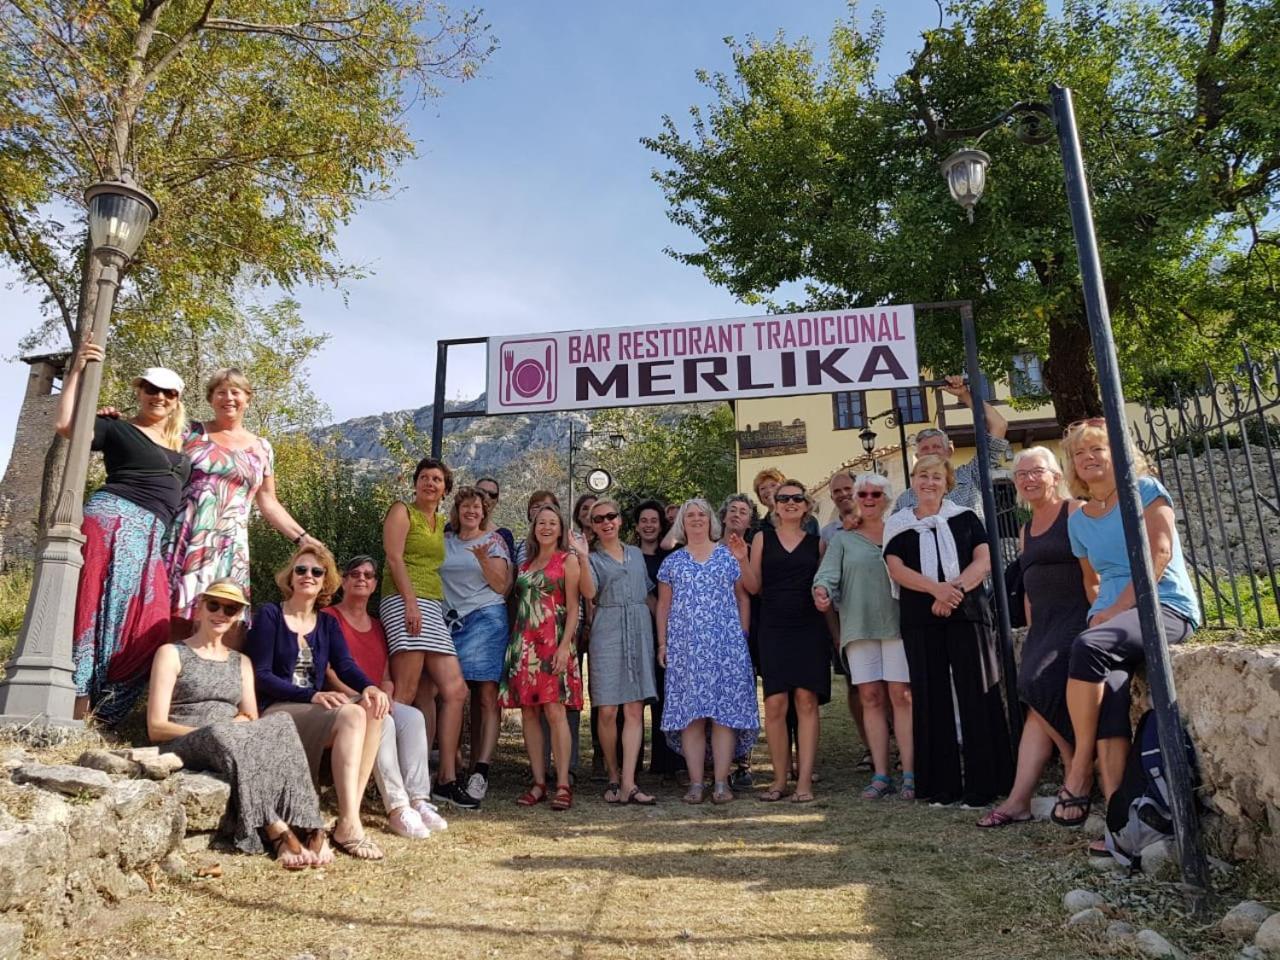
[[812, 437]]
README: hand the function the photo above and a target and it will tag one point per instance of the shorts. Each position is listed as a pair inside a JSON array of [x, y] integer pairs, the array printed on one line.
[[871, 660]]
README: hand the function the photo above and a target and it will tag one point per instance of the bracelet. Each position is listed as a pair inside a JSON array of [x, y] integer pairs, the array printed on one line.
[[298, 539]]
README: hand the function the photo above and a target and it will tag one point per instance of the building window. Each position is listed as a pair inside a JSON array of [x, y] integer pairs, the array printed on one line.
[[987, 389], [1027, 379], [849, 410], [910, 406]]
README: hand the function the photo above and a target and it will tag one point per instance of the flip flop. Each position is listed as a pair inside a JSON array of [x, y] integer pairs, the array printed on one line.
[[1070, 801], [639, 798], [614, 790], [997, 818], [802, 798], [362, 849], [771, 795]]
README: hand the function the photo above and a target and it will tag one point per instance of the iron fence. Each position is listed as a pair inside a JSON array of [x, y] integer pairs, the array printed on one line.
[[1217, 451]]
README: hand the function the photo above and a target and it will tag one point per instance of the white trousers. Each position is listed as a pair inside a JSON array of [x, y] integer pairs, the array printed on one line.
[[403, 772]]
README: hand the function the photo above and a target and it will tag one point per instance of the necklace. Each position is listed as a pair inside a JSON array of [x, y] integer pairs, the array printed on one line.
[[1103, 500]]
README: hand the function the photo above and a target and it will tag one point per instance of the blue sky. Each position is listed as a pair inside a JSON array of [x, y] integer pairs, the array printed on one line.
[[530, 204]]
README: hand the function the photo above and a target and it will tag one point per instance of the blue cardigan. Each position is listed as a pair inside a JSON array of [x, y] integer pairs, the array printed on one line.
[[273, 649]]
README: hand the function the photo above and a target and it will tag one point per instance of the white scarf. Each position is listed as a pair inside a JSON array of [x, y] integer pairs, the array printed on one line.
[[933, 550]]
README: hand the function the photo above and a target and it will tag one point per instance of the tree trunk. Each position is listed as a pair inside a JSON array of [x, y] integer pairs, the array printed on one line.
[[1069, 371]]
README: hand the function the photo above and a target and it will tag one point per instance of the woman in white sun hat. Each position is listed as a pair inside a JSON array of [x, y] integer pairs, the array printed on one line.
[[122, 606]]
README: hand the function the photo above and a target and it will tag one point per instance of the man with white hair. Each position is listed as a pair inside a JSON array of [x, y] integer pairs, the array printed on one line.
[[934, 442]]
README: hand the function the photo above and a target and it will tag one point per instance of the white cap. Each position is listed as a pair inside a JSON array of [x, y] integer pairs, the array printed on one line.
[[161, 377]]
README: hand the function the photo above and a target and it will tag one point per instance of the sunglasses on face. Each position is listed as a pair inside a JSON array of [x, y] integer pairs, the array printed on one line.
[[870, 494], [605, 517], [231, 609], [789, 498], [487, 494], [301, 570], [361, 575], [151, 390]]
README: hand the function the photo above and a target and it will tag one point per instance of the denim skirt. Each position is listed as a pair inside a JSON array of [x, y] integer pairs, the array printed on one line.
[[481, 641]]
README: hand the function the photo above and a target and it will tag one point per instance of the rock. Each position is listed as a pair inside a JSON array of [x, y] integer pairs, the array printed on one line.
[[1091, 917], [1120, 932], [10, 941], [1041, 807], [130, 796], [150, 833], [48, 807], [1218, 865], [174, 865], [1151, 944], [1243, 920], [1105, 864], [142, 754], [156, 769], [92, 830], [109, 763], [1073, 901], [1268, 935], [1160, 859], [200, 842], [1251, 953], [11, 757], [64, 778], [1095, 825], [27, 854], [203, 797]]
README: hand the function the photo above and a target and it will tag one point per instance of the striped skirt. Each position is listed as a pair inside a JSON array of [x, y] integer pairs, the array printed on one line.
[[433, 637], [122, 606]]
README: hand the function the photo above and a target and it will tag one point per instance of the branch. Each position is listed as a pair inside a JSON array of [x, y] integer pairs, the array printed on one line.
[[185, 40], [927, 116], [15, 230], [321, 31], [1208, 91]]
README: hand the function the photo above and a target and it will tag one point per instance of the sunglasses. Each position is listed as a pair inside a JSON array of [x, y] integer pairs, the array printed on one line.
[[231, 609], [1086, 422], [605, 517], [871, 494], [302, 570], [353, 574], [151, 390], [487, 494], [789, 498]]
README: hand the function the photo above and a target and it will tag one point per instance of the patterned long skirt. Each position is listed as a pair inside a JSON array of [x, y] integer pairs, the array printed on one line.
[[122, 607]]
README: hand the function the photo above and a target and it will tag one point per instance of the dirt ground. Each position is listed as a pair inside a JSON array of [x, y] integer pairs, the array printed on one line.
[[841, 877]]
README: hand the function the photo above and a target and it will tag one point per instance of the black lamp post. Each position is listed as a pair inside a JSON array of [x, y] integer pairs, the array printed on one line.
[[966, 174], [38, 684], [578, 440]]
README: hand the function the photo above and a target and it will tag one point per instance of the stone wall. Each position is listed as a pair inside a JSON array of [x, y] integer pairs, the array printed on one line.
[[24, 477]]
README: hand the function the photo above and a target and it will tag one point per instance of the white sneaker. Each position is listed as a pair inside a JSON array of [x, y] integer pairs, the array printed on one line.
[[477, 786], [429, 815], [406, 822]]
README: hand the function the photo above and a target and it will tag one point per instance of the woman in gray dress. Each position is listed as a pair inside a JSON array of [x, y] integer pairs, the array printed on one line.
[[613, 574], [202, 707]]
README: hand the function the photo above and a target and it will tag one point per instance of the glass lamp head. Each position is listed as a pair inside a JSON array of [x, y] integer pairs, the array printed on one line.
[[966, 175], [119, 215]]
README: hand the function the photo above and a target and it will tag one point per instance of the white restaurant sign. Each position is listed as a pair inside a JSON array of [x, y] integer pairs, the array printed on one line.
[[794, 353]]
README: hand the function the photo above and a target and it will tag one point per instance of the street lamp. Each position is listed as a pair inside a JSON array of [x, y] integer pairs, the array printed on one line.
[[966, 175], [868, 438], [1031, 124], [578, 440], [38, 684]]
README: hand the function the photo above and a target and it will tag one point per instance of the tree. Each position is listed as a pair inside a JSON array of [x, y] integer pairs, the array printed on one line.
[[259, 126], [801, 171], [693, 456]]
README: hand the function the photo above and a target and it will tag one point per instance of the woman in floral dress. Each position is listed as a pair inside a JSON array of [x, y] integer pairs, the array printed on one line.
[[231, 471], [541, 676], [702, 642]]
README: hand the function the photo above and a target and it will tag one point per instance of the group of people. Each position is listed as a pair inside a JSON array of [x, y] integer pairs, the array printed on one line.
[[681, 613]]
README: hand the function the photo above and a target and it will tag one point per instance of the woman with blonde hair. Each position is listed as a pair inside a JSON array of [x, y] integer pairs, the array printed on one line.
[[938, 558], [291, 646], [122, 605], [1104, 656], [202, 707], [613, 577], [232, 471], [1056, 610]]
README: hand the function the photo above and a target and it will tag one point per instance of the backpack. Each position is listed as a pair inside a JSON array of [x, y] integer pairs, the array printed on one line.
[[1138, 812]]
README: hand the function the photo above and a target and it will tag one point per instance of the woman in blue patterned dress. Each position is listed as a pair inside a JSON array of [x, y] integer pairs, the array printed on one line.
[[702, 643]]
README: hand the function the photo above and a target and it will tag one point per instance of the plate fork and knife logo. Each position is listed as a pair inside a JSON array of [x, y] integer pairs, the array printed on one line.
[[528, 375]]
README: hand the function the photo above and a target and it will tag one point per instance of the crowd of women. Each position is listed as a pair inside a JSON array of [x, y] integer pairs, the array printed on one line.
[[678, 608]]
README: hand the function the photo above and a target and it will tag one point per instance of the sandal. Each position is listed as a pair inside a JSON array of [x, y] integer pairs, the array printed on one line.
[[721, 794], [639, 798], [1071, 801], [865, 762], [318, 847], [289, 851], [362, 849], [998, 818], [772, 795], [696, 793], [908, 789], [879, 788], [802, 798], [613, 791], [563, 798], [533, 796]]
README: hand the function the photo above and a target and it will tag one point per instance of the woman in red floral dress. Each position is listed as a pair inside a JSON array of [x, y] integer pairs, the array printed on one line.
[[542, 674]]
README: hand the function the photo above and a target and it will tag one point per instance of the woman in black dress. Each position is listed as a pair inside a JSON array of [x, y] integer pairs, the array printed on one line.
[[795, 647], [937, 555], [1056, 609]]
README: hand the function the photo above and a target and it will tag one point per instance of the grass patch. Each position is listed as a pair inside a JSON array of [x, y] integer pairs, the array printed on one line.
[[15, 588], [839, 878], [1258, 608]]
